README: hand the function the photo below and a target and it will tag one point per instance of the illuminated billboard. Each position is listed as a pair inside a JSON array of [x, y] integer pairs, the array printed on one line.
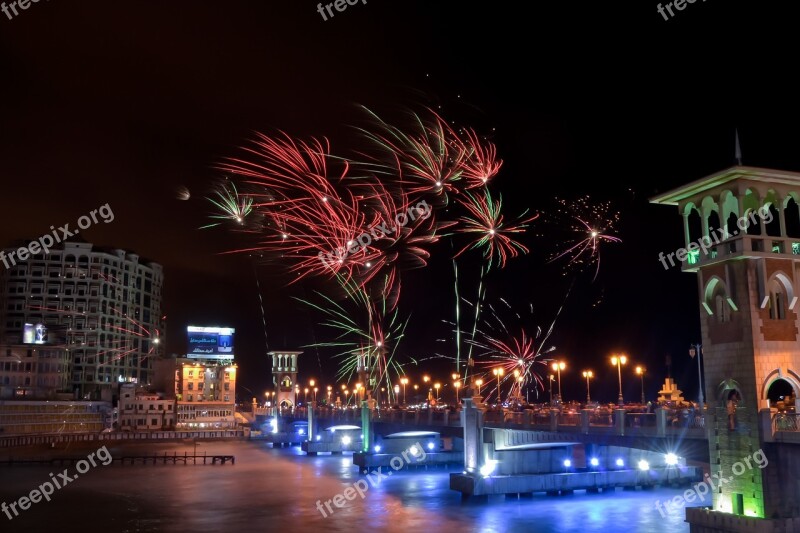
[[210, 342], [34, 334]]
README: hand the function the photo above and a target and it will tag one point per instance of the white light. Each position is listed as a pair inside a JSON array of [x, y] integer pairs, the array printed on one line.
[[671, 459], [333, 430], [620, 463], [567, 463], [377, 448], [414, 451], [349, 243], [491, 232], [324, 198], [644, 465], [346, 440], [594, 462], [430, 445], [319, 437], [301, 431], [368, 264], [438, 183], [274, 424], [488, 468]]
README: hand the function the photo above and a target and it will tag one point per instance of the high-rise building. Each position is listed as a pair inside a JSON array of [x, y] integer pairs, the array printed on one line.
[[33, 372], [102, 305]]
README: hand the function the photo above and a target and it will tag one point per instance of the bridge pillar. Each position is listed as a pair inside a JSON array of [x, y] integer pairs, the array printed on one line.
[[366, 427], [472, 421], [586, 415], [661, 422], [312, 421], [619, 421]]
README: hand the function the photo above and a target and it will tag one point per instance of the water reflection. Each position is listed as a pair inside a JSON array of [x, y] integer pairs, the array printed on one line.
[[272, 490]]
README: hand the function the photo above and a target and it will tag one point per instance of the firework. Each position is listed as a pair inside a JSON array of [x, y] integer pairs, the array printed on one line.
[[428, 161], [590, 226], [368, 334], [521, 355], [230, 206], [485, 222], [481, 163]]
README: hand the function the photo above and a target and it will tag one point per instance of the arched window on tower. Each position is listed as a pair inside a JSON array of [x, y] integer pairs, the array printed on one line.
[[777, 300], [722, 310]]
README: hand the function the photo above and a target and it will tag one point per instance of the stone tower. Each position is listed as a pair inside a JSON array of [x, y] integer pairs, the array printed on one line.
[[742, 239], [284, 377]]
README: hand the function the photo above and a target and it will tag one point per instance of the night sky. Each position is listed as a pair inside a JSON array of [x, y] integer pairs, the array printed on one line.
[[123, 102]]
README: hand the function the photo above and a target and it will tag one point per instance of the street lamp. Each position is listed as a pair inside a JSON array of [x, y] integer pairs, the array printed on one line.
[[346, 397], [588, 375], [558, 366], [436, 386], [479, 382], [552, 377], [315, 394], [311, 383], [457, 385], [397, 390], [640, 372], [697, 349], [618, 362], [306, 395], [404, 382], [518, 381], [330, 389], [499, 373]]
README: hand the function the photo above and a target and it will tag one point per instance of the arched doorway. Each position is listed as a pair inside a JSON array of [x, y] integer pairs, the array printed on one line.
[[781, 394]]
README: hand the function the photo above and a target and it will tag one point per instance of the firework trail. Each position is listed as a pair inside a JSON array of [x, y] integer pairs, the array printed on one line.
[[590, 226], [368, 335]]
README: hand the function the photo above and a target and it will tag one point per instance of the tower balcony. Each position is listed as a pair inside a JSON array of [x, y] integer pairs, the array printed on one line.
[[743, 247]]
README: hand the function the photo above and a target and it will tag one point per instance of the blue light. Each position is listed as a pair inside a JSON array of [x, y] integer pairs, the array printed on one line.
[[594, 462], [319, 437], [567, 463], [301, 431], [430, 445], [377, 448], [620, 463]]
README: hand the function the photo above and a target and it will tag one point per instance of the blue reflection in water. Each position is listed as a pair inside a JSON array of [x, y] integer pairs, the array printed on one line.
[[278, 490]]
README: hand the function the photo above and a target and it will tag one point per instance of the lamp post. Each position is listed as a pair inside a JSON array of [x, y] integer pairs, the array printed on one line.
[[305, 397], [404, 382], [479, 382], [499, 373], [397, 390], [551, 378], [315, 394], [437, 386], [588, 374], [457, 385], [697, 349], [558, 366], [517, 382], [330, 390], [640, 370], [619, 361]]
